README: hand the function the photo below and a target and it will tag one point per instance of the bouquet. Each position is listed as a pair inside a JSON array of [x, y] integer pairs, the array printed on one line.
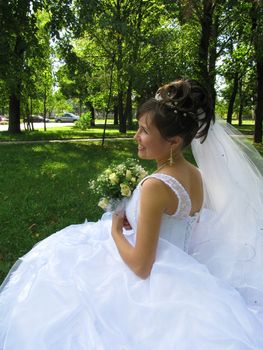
[[117, 183]]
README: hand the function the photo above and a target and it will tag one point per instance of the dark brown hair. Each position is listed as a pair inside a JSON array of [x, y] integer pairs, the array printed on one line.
[[180, 108]]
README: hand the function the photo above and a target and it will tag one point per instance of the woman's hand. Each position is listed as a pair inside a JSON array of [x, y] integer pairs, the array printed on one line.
[[126, 223], [120, 221]]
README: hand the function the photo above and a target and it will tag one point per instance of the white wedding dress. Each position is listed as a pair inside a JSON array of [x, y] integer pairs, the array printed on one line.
[[72, 291]]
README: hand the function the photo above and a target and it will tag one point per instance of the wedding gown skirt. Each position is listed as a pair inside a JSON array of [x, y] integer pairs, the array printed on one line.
[[72, 291]]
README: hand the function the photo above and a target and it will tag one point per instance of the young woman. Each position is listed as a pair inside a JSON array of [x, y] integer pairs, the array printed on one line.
[[128, 281]]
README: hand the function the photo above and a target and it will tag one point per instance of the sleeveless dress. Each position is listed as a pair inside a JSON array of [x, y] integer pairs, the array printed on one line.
[[72, 291]]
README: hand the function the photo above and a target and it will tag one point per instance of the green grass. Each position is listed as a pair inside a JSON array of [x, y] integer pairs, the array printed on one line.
[[64, 132], [71, 132]]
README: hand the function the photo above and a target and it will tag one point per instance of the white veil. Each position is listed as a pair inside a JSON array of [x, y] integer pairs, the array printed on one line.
[[229, 237]]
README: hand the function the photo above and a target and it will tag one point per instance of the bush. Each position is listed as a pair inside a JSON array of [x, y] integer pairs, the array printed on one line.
[[84, 122]]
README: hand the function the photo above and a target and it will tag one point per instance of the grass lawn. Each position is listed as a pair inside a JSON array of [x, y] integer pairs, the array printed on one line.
[[64, 132], [44, 187]]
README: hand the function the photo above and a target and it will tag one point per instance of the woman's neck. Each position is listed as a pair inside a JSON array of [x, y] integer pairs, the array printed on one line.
[[162, 163]]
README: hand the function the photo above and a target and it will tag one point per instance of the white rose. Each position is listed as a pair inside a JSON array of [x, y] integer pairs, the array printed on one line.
[[142, 174], [92, 185], [120, 167], [103, 203], [125, 190], [133, 179], [113, 179], [107, 171], [128, 174]]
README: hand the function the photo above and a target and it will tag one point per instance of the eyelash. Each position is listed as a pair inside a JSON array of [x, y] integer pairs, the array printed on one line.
[[143, 129]]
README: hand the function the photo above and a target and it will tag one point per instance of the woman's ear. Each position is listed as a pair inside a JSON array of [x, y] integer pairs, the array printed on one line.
[[176, 142]]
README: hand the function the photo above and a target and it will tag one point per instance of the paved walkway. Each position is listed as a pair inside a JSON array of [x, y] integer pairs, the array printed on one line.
[[63, 140]]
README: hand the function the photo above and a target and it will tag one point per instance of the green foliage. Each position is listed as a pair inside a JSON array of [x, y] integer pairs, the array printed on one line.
[[57, 54], [84, 121], [59, 103]]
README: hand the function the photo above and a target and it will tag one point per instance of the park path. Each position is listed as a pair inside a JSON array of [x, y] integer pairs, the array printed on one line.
[[63, 140]]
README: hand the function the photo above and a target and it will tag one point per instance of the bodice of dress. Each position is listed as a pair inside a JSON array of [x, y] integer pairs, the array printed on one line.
[[175, 228]]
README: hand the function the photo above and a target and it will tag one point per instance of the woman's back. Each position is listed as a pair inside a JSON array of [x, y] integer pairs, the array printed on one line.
[[190, 178]]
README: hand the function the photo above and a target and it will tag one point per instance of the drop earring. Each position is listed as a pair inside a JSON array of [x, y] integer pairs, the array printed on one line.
[[171, 159]]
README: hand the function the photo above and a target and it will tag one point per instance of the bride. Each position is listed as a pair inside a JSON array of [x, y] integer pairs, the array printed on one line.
[[180, 269]]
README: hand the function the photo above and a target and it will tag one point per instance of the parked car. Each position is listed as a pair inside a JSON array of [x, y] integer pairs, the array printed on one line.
[[67, 117], [37, 119]]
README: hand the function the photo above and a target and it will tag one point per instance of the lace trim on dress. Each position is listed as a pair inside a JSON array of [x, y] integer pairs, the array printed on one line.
[[184, 201]]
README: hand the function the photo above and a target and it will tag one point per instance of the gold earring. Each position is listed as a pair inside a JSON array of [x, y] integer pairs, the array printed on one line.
[[171, 159]]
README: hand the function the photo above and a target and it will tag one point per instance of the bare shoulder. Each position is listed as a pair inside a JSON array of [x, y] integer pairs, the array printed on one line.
[[151, 183], [153, 190], [152, 186], [194, 170], [186, 173]]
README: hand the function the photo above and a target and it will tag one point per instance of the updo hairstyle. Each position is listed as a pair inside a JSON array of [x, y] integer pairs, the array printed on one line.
[[180, 108]]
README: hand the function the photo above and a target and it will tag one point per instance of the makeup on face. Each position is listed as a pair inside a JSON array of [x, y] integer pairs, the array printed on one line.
[[151, 145]]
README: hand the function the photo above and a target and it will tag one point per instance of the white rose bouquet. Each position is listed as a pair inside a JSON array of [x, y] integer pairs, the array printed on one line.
[[117, 183]]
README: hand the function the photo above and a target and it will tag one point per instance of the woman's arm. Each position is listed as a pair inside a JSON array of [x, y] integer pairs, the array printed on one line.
[[140, 257]]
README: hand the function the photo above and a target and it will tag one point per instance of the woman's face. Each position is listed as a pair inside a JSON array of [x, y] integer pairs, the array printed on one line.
[[151, 145]]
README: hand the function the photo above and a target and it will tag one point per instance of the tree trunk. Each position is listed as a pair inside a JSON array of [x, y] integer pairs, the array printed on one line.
[[14, 114], [45, 109], [259, 104], [241, 104], [232, 99], [15, 96], [115, 114], [122, 117], [31, 114], [212, 58], [80, 107], [257, 28], [92, 111], [206, 33], [133, 62], [128, 106], [119, 64]]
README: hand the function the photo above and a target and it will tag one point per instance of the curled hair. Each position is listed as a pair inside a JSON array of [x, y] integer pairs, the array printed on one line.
[[182, 107]]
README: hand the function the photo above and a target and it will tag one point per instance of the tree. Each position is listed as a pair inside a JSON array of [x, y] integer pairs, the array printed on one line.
[[257, 34], [17, 33], [74, 78], [236, 65], [18, 38], [4, 98], [204, 16], [121, 29], [38, 80]]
